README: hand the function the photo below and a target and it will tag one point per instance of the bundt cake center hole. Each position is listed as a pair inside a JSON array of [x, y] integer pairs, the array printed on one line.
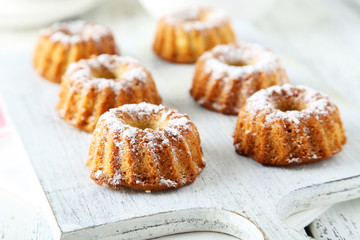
[[66, 32], [189, 20], [290, 106], [199, 18], [145, 125], [70, 33], [238, 63], [104, 74]]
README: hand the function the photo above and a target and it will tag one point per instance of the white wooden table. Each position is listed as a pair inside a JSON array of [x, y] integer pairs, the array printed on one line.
[[323, 35], [342, 221], [294, 35]]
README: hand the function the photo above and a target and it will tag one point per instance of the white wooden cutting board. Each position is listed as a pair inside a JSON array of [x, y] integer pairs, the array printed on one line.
[[233, 195]]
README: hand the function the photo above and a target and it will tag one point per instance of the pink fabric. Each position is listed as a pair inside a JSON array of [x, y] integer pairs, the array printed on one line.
[[2, 119], [3, 124]]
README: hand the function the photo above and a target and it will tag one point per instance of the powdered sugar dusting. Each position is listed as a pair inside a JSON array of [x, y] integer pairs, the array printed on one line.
[[142, 111], [98, 174], [118, 122], [75, 31], [256, 59], [266, 100], [168, 182], [112, 61], [117, 178], [81, 72], [135, 73], [183, 121], [129, 133], [197, 18], [287, 114], [293, 160], [107, 61]]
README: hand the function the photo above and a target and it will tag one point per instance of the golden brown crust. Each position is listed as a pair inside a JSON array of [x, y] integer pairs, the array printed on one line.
[[145, 147], [182, 41], [222, 87], [287, 126], [53, 55]]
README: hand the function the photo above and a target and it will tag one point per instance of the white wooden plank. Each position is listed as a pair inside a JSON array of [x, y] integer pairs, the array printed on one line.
[[230, 186], [300, 220], [342, 221], [20, 219]]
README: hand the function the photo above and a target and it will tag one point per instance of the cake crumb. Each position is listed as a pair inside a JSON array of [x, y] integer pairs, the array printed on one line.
[[148, 191]]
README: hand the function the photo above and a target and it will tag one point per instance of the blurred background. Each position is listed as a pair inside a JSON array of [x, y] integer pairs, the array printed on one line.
[[21, 19], [323, 36]]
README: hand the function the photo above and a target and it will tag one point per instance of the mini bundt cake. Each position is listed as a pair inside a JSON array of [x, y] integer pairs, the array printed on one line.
[[186, 34], [66, 42], [146, 147], [287, 125], [90, 87], [228, 74]]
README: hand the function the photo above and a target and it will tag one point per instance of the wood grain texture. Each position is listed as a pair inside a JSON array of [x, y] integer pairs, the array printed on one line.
[[326, 42], [340, 222], [20, 219], [230, 190]]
